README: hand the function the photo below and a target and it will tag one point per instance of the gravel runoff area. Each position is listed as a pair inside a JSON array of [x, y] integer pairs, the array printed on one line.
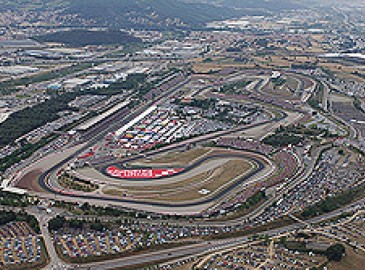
[[27, 178]]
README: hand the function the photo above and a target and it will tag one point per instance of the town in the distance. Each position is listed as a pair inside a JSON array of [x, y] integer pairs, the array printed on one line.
[[182, 134]]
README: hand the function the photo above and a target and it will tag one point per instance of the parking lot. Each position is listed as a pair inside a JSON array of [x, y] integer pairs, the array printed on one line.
[[164, 125], [19, 244], [264, 256]]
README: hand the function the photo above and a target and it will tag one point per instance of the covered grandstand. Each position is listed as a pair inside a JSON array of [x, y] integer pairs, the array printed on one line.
[[94, 125]]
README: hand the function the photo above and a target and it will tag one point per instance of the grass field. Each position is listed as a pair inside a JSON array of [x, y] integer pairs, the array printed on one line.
[[176, 158], [354, 260], [292, 83], [189, 189], [76, 184], [341, 98], [276, 91]]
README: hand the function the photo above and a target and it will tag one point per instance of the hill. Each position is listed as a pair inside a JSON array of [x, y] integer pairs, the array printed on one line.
[[156, 14], [272, 5], [263, 5], [32, 5]]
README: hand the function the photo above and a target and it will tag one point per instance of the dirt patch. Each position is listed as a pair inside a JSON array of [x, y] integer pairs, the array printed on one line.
[[30, 181]]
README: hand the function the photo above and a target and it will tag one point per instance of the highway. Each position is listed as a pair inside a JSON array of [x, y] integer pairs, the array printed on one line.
[[209, 246]]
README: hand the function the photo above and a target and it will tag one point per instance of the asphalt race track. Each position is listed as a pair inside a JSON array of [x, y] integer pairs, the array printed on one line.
[[43, 179], [260, 166]]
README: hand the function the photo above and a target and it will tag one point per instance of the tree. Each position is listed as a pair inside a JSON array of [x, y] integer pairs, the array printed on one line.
[[335, 252], [85, 207], [56, 223]]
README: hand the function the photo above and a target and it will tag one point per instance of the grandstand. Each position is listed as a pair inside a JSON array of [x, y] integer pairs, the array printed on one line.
[[94, 125]]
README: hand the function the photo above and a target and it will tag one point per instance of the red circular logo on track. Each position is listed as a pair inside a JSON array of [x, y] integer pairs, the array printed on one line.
[[141, 173]]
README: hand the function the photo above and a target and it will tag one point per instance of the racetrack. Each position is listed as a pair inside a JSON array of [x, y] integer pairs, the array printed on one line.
[[187, 172], [200, 181], [47, 181], [261, 172]]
